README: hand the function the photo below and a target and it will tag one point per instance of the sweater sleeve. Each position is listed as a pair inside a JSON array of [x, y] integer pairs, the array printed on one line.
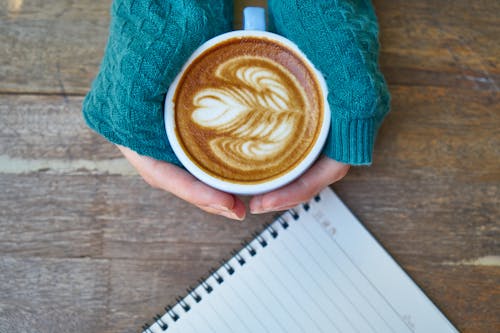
[[341, 39], [148, 43]]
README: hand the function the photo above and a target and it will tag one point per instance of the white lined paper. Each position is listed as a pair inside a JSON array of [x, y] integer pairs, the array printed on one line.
[[324, 273]]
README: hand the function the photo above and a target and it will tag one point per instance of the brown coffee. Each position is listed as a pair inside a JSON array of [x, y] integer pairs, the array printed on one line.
[[248, 110]]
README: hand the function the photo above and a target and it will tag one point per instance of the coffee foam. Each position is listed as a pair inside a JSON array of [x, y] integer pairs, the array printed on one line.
[[255, 115], [248, 110]]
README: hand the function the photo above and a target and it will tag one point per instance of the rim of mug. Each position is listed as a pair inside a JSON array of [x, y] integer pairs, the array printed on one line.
[[231, 186]]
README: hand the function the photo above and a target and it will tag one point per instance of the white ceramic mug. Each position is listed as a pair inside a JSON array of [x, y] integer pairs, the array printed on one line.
[[254, 26]]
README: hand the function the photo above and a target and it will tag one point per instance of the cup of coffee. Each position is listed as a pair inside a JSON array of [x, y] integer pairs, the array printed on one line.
[[248, 112]]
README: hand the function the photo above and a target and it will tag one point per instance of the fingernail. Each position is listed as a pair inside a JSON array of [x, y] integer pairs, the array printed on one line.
[[286, 207], [264, 210], [220, 208], [260, 211], [261, 208], [256, 207], [232, 215], [226, 212]]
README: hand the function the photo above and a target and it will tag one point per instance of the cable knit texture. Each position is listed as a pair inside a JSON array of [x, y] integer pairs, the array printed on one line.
[[149, 41], [340, 37]]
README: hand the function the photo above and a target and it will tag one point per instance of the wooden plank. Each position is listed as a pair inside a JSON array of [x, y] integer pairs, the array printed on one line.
[[51, 46], [145, 223], [50, 216], [49, 127], [53, 295], [56, 47], [435, 221], [121, 217], [432, 131], [57, 215], [419, 176], [441, 132], [468, 295], [451, 44], [90, 295], [431, 197], [412, 218], [142, 289]]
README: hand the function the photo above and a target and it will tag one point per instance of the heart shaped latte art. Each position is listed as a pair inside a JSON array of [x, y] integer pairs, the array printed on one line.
[[256, 115]]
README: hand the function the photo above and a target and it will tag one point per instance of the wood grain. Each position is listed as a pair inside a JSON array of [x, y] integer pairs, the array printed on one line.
[[451, 44], [49, 127], [109, 217], [87, 246], [49, 216], [147, 288], [153, 225], [55, 46], [150, 286], [51, 46], [53, 295], [473, 289]]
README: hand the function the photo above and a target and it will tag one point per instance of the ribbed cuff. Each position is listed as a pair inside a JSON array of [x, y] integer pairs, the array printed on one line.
[[156, 146], [351, 141]]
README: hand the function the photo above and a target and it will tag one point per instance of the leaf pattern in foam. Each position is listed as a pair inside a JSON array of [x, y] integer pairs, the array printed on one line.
[[252, 114]]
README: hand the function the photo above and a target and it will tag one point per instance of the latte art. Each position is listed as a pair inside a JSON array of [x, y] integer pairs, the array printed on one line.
[[247, 110], [255, 115]]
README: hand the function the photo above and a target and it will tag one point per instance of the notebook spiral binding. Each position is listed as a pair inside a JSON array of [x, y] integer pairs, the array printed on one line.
[[230, 269]]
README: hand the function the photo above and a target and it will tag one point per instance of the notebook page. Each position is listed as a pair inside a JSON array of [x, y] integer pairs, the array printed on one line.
[[323, 273], [375, 266]]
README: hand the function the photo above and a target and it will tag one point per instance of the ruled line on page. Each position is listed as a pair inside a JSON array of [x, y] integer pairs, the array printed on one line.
[[196, 327], [328, 255], [277, 299], [292, 295], [313, 280], [305, 291], [306, 278], [206, 321], [335, 201], [228, 309], [309, 257], [249, 309], [196, 322], [234, 285], [192, 325], [256, 297], [375, 287], [236, 292]]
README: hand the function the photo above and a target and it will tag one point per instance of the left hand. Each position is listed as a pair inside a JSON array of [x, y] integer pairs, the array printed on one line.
[[173, 179], [323, 173]]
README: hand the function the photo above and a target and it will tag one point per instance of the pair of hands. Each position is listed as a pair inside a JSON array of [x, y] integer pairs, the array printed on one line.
[[141, 59], [173, 179]]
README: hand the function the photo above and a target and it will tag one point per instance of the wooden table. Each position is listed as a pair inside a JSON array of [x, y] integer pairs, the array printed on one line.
[[86, 246]]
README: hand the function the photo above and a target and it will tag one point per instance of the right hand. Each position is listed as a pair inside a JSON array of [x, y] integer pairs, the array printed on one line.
[[171, 178]]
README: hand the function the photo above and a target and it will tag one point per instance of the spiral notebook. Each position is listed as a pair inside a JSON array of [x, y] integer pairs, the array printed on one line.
[[313, 269]]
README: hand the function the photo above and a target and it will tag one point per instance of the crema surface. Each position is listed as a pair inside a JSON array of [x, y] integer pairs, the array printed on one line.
[[248, 110]]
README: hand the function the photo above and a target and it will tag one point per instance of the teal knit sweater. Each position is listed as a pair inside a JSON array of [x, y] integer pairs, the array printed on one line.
[[150, 40]]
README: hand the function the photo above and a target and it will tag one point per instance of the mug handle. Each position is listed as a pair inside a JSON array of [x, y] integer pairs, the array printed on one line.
[[254, 18]]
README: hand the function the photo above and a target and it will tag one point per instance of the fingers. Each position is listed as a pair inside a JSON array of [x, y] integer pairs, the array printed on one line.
[[323, 173], [179, 182], [182, 184], [238, 212]]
